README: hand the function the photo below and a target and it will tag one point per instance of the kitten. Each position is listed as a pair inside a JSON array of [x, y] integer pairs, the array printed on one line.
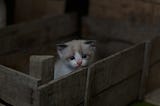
[[2, 14], [74, 55]]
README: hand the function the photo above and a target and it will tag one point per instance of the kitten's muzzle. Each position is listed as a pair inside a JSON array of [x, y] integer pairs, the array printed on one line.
[[79, 62]]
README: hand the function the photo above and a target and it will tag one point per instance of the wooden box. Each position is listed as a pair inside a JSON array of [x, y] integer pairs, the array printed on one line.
[[27, 59]]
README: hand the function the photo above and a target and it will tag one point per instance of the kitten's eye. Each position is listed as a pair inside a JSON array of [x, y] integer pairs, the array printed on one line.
[[72, 58], [84, 55]]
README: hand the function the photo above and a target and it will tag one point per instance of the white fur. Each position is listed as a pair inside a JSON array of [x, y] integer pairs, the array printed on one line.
[[65, 64], [61, 69], [78, 57], [2, 14]]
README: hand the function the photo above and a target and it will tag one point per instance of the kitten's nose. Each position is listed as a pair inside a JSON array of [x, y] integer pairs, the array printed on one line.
[[79, 62]]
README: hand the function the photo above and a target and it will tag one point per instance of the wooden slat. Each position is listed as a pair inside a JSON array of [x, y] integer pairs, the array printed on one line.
[[114, 69], [154, 79], [66, 91], [37, 33], [18, 42], [42, 67], [124, 31], [146, 69], [17, 88], [22, 57], [154, 73], [155, 57], [120, 94]]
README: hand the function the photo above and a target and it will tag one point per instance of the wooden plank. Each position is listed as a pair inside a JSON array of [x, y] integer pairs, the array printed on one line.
[[145, 71], [17, 88], [154, 73], [153, 81], [66, 91], [123, 93], [42, 67], [18, 42], [37, 33], [114, 69], [22, 57], [114, 30], [155, 57]]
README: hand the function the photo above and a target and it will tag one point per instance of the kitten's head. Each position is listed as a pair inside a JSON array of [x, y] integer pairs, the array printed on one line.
[[77, 53]]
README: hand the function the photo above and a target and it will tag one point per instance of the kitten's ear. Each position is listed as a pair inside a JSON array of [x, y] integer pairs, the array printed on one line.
[[60, 48], [92, 44]]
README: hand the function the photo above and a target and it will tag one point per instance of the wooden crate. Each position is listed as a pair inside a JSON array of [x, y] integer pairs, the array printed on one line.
[[121, 77], [89, 86]]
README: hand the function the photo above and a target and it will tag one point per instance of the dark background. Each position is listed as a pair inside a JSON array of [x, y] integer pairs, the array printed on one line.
[[78, 6]]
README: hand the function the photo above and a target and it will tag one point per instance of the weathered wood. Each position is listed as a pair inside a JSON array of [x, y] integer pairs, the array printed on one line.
[[18, 42], [17, 88], [122, 31], [117, 35], [154, 73], [66, 91], [120, 94], [145, 71], [22, 57], [155, 57], [114, 69], [37, 33], [154, 79], [42, 67]]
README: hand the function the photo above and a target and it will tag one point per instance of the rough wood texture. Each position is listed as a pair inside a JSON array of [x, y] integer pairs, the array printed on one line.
[[37, 33], [153, 82], [146, 69], [18, 42], [154, 79], [155, 57], [117, 35], [112, 70], [123, 93], [122, 31], [66, 91], [42, 67], [17, 88]]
